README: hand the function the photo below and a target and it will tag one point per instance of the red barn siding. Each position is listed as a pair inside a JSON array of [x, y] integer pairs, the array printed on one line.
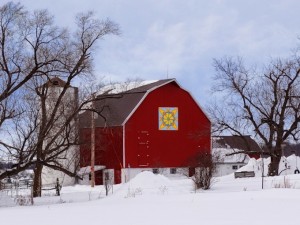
[[108, 148], [145, 144]]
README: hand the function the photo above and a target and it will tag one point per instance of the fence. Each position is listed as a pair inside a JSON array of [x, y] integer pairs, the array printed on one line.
[[23, 184], [244, 174], [14, 187]]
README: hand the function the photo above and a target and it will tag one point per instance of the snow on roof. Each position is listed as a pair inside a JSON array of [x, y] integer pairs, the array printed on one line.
[[121, 87], [87, 169], [222, 154], [224, 146]]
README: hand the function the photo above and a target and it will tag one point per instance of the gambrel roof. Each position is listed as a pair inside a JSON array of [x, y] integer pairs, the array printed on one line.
[[115, 109]]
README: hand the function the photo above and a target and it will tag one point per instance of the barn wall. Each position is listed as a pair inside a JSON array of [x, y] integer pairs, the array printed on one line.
[[108, 147], [147, 146]]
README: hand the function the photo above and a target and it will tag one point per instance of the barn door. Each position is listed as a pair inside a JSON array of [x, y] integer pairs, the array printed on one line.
[[99, 177], [143, 148]]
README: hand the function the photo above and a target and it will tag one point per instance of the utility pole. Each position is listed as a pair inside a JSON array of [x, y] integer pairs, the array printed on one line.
[[93, 142]]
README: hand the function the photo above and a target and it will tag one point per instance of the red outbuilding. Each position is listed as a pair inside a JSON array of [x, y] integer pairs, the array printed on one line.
[[157, 126]]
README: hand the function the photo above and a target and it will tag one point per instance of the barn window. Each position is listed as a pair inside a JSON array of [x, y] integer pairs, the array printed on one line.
[[173, 171], [234, 167], [155, 171]]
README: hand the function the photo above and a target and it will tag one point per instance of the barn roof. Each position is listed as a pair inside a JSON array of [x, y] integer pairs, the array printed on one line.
[[116, 108]]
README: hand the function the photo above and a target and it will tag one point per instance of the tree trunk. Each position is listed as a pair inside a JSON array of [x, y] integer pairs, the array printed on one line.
[[37, 181], [274, 166]]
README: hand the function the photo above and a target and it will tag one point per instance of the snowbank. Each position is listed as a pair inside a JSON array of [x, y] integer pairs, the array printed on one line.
[[288, 165], [6, 200], [155, 184], [147, 179]]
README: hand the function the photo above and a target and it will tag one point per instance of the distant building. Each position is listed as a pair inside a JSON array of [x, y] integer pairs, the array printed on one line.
[[69, 158], [226, 147], [291, 149]]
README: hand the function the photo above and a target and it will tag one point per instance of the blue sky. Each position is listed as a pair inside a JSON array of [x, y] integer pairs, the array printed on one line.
[[179, 38]]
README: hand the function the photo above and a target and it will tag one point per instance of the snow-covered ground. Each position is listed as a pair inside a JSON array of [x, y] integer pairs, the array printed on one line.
[[154, 199]]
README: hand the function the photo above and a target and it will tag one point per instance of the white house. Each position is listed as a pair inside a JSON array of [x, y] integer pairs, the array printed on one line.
[[227, 149]]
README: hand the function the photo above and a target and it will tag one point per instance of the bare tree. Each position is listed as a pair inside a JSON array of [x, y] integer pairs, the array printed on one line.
[[44, 124], [263, 102], [204, 164], [108, 182], [18, 63]]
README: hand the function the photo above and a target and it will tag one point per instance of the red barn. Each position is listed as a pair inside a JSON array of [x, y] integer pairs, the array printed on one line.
[[154, 126]]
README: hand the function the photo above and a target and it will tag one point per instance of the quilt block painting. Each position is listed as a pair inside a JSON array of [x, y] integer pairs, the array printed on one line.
[[168, 118]]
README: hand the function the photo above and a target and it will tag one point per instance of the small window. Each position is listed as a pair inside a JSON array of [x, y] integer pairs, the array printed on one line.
[[241, 166], [234, 167], [55, 83], [173, 171], [106, 175], [155, 171], [90, 176]]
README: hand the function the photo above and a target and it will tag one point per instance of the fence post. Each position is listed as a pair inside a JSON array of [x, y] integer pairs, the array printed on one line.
[[57, 187], [31, 195]]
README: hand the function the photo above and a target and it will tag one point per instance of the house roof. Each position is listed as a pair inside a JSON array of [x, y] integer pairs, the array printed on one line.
[[226, 146], [116, 108], [291, 149], [245, 143]]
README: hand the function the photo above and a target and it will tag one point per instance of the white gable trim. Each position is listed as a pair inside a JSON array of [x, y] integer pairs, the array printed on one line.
[[154, 88], [194, 101], [140, 102], [124, 144], [197, 104]]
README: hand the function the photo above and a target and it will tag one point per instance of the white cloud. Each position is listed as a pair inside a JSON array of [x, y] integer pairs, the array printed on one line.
[[162, 48], [182, 37]]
